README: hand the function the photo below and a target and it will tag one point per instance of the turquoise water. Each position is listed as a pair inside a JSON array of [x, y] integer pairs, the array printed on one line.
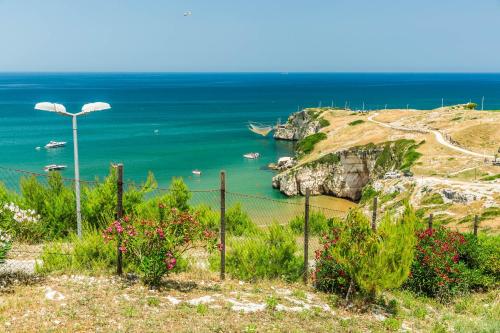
[[201, 118]]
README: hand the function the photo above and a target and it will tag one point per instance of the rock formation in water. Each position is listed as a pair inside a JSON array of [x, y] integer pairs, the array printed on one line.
[[298, 126]]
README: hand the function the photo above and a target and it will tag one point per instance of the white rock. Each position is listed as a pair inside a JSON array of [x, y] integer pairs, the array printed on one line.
[[53, 295]]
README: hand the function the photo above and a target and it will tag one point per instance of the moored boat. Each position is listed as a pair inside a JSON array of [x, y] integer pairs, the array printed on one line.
[[196, 172], [54, 167], [252, 156], [55, 144]]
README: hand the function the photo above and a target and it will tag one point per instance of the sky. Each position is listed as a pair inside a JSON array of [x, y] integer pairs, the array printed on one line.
[[250, 35]]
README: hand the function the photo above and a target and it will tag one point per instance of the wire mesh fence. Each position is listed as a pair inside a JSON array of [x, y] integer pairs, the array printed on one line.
[[99, 208]]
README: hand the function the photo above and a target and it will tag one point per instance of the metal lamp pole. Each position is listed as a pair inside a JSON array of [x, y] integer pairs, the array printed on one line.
[[60, 109]]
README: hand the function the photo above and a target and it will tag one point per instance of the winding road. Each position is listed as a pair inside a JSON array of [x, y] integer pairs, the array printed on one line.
[[439, 137]]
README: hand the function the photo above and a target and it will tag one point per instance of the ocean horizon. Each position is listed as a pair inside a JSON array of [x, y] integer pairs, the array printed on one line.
[[173, 123]]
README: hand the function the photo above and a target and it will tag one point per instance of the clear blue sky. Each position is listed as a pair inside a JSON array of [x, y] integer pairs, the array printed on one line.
[[250, 35]]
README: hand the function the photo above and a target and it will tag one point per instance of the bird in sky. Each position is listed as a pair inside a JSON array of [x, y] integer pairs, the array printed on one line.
[[188, 13]]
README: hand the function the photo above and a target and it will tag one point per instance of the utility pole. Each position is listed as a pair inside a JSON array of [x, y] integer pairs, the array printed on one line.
[[442, 102], [482, 104]]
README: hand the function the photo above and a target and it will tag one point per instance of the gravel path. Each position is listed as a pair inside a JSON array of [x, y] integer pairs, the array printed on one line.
[[439, 137]]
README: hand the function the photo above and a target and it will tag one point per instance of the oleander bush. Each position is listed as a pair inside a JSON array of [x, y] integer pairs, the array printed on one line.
[[269, 254], [155, 246]]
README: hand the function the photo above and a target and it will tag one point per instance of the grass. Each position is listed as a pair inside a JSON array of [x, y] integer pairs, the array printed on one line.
[[356, 122], [492, 177], [306, 145], [112, 305], [432, 199]]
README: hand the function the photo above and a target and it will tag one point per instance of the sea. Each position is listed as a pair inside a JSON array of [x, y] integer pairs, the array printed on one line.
[[173, 123]]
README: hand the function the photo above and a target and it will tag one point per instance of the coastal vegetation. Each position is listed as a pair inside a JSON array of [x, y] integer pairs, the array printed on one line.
[[356, 122], [306, 145]]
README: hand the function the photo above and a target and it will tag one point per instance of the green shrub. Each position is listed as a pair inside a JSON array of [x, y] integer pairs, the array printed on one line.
[[356, 122], [432, 199], [268, 254], [470, 106], [54, 202], [323, 122], [23, 224], [481, 254], [318, 224], [354, 256], [306, 145], [238, 222], [492, 177], [367, 194], [91, 254]]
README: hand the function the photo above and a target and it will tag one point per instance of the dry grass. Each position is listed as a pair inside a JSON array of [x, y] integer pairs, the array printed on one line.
[[108, 304]]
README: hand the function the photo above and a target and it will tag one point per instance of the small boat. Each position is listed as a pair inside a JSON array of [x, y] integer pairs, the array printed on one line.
[[251, 156], [38, 148], [197, 172], [54, 167], [55, 144]]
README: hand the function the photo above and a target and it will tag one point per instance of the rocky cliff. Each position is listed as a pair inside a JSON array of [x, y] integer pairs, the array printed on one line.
[[298, 126], [343, 173]]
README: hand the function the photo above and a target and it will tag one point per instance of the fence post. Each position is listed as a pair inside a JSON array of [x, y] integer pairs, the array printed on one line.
[[476, 224], [223, 225], [306, 237], [119, 214], [374, 214], [430, 221]]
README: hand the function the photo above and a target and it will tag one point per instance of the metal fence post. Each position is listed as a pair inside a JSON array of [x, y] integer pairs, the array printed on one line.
[[430, 221], [306, 237], [223, 225], [476, 224], [374, 214], [119, 214]]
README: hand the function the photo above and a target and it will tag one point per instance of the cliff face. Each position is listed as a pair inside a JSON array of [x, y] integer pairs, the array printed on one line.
[[343, 173], [298, 126]]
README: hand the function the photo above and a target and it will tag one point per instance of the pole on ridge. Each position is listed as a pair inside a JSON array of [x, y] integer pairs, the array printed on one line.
[[430, 221], [222, 225], [306, 237], [476, 224], [374, 214], [119, 214]]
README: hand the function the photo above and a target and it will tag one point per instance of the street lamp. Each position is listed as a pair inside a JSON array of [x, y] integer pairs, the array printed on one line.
[[60, 109]]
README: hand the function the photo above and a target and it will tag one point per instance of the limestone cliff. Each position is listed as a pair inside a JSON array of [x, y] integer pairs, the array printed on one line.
[[344, 173], [298, 126]]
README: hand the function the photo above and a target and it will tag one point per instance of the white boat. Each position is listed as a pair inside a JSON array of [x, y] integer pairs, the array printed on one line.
[[251, 156], [55, 144], [54, 167], [196, 172]]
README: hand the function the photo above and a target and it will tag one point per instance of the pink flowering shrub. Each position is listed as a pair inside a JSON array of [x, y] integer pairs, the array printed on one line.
[[155, 246], [437, 268]]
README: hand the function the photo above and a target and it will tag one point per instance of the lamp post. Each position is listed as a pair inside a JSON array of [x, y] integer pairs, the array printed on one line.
[[60, 109]]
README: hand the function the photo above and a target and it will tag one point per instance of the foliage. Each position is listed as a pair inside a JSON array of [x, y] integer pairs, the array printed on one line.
[[238, 222], [470, 106], [492, 177], [437, 268], [481, 255], [367, 194], [154, 246], [306, 145], [90, 254], [318, 223], [432, 199], [400, 154], [356, 122], [99, 201], [22, 224], [323, 122], [54, 202], [5, 245], [268, 254], [353, 255]]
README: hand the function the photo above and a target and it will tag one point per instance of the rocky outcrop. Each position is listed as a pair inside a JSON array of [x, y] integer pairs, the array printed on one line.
[[342, 174], [298, 126]]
